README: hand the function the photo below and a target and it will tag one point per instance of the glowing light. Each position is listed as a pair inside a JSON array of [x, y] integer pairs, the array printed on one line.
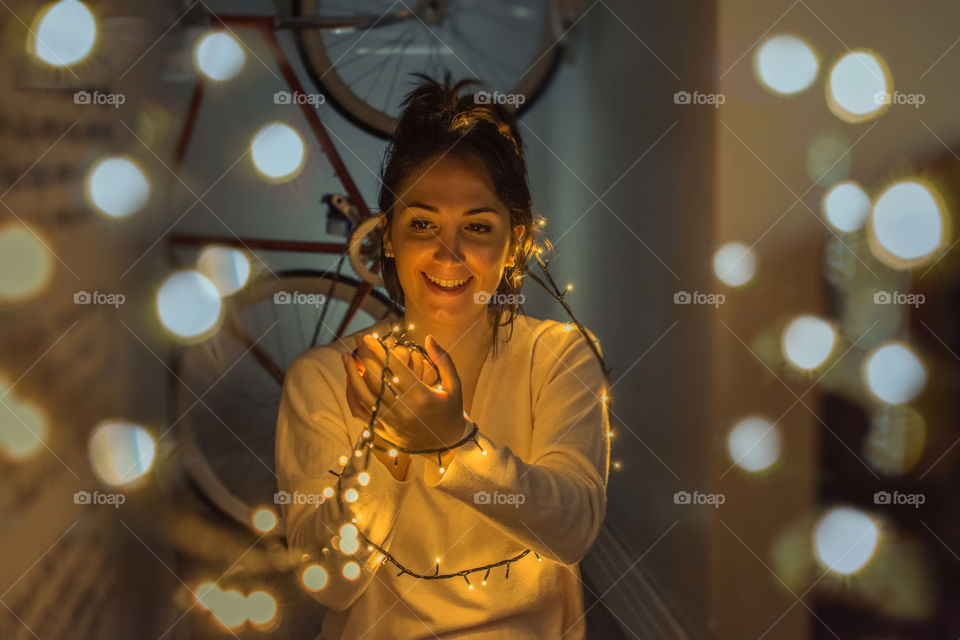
[[328, 492], [117, 187], [278, 152], [349, 546], [846, 206], [907, 225], [754, 444], [363, 478], [120, 453], [859, 82], [23, 427], [343, 460], [219, 56], [26, 265], [845, 540], [351, 570], [350, 495], [735, 264], [894, 373], [314, 577], [206, 595], [228, 609], [189, 304], [393, 453], [808, 341], [785, 64], [261, 607], [264, 519], [66, 33], [228, 269]]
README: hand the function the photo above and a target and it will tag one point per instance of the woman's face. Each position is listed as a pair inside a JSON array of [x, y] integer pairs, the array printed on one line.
[[450, 236]]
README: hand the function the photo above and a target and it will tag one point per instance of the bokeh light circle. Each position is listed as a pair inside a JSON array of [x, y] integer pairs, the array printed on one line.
[[907, 225], [278, 152], [856, 86], [845, 539], [120, 453], [189, 304], [785, 64], [846, 206], [64, 34], [894, 374], [117, 187], [219, 56], [808, 341], [26, 265], [754, 444], [735, 264]]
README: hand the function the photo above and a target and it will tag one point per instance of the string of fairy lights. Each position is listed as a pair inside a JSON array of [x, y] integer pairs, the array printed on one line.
[[398, 337]]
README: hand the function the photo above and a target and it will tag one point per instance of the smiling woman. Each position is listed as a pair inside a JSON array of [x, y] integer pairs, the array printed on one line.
[[502, 460]]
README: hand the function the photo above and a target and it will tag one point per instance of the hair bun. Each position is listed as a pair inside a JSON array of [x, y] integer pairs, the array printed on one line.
[[438, 107]]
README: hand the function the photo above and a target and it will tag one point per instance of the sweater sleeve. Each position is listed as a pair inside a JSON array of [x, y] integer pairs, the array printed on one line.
[[313, 439], [555, 504]]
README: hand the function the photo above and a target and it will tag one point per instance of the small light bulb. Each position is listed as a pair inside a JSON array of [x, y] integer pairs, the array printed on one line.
[[366, 433], [616, 465], [471, 587], [357, 453], [396, 328], [438, 560], [442, 469], [410, 327], [570, 287], [484, 452], [396, 379], [343, 460], [376, 335], [393, 453]]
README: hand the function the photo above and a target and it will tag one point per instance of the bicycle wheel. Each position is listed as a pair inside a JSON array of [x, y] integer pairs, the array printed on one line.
[[511, 47], [227, 435]]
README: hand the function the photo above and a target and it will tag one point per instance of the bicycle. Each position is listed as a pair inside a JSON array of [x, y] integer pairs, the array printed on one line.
[[227, 439]]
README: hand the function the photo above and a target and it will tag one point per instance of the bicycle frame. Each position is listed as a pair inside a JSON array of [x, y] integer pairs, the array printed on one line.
[[266, 25]]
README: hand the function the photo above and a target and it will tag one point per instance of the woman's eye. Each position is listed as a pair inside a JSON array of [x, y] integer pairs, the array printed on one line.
[[416, 222], [479, 227]]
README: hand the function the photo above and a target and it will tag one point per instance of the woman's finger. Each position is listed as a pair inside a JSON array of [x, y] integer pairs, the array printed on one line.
[[366, 397], [357, 408]]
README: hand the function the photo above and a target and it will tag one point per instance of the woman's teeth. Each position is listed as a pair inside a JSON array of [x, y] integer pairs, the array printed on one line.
[[447, 284]]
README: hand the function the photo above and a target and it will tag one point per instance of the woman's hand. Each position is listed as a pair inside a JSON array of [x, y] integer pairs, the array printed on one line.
[[413, 413]]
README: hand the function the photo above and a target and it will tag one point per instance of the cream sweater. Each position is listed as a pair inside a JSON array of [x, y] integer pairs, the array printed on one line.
[[543, 427]]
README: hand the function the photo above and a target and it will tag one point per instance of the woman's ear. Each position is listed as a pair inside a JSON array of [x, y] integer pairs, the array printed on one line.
[[385, 237]]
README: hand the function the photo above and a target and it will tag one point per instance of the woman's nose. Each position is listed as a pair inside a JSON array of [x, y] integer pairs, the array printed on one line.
[[448, 247]]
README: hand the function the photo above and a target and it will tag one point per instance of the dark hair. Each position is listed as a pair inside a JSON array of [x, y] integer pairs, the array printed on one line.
[[437, 121]]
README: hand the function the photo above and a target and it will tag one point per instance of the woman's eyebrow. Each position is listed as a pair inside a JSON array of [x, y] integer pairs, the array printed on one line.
[[420, 205]]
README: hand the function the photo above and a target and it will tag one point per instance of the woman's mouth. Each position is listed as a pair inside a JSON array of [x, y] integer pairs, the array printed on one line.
[[446, 287]]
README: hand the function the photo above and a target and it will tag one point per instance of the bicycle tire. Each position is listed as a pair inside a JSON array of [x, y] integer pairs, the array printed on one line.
[[225, 434], [315, 57]]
